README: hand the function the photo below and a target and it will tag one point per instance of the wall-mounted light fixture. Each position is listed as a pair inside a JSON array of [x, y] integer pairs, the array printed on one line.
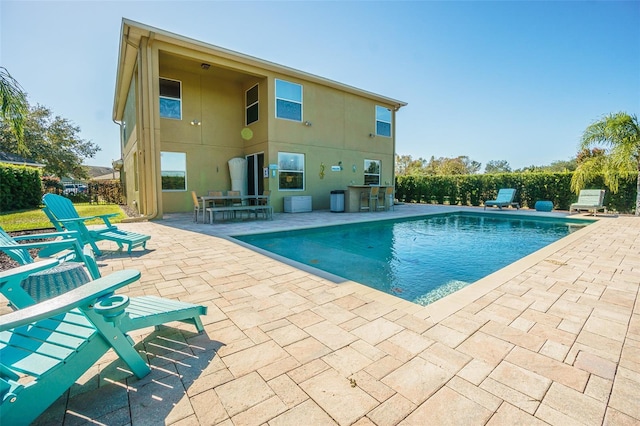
[[195, 122], [307, 123], [371, 135], [204, 66]]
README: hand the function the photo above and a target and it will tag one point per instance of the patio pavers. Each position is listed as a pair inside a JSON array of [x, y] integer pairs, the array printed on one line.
[[553, 338]]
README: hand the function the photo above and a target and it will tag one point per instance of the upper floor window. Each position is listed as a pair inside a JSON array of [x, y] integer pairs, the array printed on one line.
[[383, 121], [288, 100], [290, 171], [170, 98], [372, 172], [251, 105], [173, 171]]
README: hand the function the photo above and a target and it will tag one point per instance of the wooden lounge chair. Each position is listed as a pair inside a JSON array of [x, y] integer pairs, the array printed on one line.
[[63, 215], [504, 199], [590, 200]]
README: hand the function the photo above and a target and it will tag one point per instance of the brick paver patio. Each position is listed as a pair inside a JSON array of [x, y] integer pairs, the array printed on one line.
[[552, 339]]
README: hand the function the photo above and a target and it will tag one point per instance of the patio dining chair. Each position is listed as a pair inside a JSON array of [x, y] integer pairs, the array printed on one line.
[[266, 203], [217, 203], [235, 202], [196, 207]]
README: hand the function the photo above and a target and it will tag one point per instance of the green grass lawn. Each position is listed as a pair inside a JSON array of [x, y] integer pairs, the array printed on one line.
[[24, 220]]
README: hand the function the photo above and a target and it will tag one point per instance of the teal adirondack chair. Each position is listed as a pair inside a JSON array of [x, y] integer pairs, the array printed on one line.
[[142, 311], [65, 248], [49, 345], [63, 215], [504, 199]]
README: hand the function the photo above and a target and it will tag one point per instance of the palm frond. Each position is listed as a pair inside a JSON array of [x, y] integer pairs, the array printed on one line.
[[14, 106]]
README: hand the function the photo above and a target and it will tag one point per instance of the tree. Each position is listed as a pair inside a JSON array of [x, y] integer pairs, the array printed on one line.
[[619, 135], [14, 107], [560, 166], [50, 140], [497, 166], [406, 165], [461, 165]]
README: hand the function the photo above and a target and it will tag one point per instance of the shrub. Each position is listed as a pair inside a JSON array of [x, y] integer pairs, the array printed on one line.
[[21, 187]]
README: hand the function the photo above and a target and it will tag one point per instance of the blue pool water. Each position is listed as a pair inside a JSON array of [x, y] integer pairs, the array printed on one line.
[[418, 259]]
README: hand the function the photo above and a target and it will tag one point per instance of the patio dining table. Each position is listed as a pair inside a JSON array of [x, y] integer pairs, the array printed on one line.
[[229, 199]]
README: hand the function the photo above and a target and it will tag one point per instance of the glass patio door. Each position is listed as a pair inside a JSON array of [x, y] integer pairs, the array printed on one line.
[[255, 181]]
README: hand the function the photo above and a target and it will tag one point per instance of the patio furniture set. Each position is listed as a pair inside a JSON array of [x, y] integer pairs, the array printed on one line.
[[231, 206]]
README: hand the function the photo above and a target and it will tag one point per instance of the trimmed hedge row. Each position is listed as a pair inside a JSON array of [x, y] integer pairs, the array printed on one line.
[[472, 190], [20, 187]]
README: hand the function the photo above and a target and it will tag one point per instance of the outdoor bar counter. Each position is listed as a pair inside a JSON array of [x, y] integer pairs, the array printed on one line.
[[352, 196]]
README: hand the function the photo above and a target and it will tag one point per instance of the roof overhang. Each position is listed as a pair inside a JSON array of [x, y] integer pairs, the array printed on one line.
[[132, 32]]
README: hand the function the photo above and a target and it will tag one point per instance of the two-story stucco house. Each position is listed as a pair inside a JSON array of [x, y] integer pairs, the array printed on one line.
[[186, 108]]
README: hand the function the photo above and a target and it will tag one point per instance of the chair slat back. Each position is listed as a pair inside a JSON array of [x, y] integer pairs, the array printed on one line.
[[505, 195], [217, 203], [235, 201], [591, 197], [60, 207]]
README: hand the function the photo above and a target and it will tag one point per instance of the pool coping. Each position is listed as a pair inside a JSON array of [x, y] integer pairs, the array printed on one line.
[[448, 305]]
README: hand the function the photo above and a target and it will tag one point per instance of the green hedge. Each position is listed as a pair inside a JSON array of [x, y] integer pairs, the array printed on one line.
[[20, 187], [472, 190]]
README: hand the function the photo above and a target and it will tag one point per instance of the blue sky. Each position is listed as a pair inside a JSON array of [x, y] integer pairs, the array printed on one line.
[[515, 81]]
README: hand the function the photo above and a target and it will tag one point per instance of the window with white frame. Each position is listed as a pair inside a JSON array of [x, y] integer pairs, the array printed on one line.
[[251, 105], [170, 98], [290, 171], [173, 170], [383, 121], [288, 100], [372, 172]]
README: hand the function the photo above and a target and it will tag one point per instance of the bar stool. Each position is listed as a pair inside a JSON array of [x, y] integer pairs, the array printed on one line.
[[386, 198], [371, 198]]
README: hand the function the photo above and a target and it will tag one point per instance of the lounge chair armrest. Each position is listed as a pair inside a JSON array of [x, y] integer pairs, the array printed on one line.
[[104, 218], [63, 234], [26, 270], [58, 244], [78, 297], [78, 219]]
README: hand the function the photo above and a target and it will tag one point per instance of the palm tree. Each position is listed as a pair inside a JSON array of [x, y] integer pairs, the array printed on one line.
[[619, 135], [14, 107]]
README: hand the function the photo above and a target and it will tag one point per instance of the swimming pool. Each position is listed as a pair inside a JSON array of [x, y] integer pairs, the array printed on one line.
[[418, 259]]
